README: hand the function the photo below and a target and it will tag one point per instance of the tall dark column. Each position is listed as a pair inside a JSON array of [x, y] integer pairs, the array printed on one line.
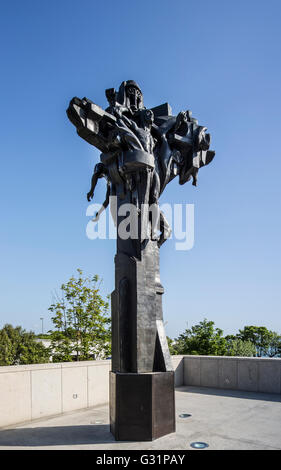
[[142, 377]]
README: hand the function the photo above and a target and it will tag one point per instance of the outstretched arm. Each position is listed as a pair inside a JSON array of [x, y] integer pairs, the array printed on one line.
[[104, 205], [94, 180], [99, 172]]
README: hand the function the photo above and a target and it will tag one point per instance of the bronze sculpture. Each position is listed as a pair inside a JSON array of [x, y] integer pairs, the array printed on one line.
[[142, 151]]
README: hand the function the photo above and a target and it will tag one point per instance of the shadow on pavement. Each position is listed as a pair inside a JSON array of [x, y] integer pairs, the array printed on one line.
[[58, 435], [231, 393]]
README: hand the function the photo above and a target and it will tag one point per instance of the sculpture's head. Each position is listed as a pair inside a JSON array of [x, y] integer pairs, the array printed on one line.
[[134, 95]]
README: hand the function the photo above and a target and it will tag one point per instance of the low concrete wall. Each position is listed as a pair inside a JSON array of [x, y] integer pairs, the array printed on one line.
[[253, 374], [36, 391], [40, 390], [178, 365]]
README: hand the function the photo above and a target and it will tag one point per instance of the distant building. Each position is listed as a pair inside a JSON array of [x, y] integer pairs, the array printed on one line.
[[96, 355]]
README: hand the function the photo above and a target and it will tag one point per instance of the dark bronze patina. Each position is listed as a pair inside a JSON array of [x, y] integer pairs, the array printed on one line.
[[142, 150]]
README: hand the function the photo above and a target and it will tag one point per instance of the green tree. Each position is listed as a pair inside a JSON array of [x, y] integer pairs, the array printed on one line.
[[172, 345], [18, 346], [201, 339], [81, 321], [266, 342], [274, 349], [238, 347]]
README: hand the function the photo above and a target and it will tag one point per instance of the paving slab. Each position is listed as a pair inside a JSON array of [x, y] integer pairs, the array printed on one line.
[[224, 419]]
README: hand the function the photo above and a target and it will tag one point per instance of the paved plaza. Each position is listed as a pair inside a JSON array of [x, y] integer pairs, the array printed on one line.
[[225, 420]]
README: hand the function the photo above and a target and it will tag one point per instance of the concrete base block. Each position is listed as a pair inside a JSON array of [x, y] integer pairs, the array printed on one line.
[[142, 406]]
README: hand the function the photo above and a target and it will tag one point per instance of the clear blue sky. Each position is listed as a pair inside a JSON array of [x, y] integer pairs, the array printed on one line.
[[220, 59]]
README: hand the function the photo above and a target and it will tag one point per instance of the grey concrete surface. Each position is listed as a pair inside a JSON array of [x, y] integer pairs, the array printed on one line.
[[36, 391], [40, 390], [225, 419], [253, 374], [29, 392]]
